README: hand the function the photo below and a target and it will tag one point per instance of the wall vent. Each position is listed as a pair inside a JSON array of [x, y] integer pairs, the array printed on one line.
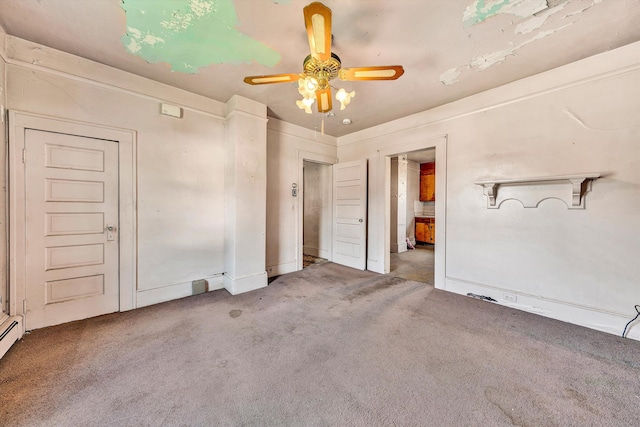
[[199, 287]]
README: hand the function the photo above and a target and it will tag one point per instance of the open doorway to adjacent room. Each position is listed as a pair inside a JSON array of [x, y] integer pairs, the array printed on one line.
[[412, 215], [317, 213]]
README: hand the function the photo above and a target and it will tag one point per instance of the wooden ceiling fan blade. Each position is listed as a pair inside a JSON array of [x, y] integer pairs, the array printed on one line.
[[317, 19], [273, 78], [388, 72], [323, 98]]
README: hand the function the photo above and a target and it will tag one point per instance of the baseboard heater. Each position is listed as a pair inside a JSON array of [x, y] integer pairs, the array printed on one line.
[[9, 328], [10, 332]]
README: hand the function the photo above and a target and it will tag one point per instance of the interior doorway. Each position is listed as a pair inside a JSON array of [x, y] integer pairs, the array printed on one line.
[[411, 212], [317, 196], [380, 255]]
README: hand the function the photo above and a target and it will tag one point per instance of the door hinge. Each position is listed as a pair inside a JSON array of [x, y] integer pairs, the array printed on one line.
[[24, 155], [24, 306]]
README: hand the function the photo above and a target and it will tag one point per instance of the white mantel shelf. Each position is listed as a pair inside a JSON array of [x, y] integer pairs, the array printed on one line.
[[530, 192]]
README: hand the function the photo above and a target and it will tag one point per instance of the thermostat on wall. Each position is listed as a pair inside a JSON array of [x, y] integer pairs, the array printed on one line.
[[171, 110]]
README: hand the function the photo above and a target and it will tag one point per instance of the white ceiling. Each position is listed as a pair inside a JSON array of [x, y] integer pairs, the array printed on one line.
[[444, 58]]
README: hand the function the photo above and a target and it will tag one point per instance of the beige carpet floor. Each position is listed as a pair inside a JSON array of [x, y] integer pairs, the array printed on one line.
[[324, 346], [415, 264]]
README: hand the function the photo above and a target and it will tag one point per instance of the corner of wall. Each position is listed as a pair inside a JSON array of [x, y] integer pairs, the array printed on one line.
[[245, 191]]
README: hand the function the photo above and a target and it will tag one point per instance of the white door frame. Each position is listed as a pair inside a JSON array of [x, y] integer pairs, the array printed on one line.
[[309, 157], [18, 123], [384, 177]]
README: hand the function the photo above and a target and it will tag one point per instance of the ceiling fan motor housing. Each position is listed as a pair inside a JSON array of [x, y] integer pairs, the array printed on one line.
[[322, 71]]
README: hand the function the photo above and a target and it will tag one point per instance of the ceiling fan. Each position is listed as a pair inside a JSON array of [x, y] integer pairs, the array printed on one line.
[[322, 66]]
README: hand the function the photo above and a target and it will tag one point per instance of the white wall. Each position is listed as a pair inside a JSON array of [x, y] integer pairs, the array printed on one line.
[[318, 199], [287, 147], [180, 162], [576, 265]]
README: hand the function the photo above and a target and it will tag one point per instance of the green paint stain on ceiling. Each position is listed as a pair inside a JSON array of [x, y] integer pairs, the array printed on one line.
[[481, 10], [190, 34]]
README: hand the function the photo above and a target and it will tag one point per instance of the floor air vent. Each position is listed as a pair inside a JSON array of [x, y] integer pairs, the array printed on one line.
[[199, 287]]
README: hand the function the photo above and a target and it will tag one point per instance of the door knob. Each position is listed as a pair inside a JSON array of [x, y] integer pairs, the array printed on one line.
[[110, 229], [360, 220]]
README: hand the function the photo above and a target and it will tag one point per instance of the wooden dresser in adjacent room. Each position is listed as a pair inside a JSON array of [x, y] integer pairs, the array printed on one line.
[[426, 229], [426, 224]]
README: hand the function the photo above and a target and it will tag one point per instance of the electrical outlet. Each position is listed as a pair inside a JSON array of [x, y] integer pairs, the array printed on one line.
[[510, 298]]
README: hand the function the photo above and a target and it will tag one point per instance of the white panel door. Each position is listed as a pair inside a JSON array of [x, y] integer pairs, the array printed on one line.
[[350, 214], [71, 227]]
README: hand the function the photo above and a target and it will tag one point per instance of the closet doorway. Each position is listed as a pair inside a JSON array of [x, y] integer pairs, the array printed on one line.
[[412, 217], [317, 213]]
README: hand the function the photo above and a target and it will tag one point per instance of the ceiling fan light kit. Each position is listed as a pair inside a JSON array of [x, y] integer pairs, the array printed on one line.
[[322, 66]]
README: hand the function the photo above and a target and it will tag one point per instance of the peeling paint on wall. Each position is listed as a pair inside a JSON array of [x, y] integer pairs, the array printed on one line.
[[190, 34], [481, 10]]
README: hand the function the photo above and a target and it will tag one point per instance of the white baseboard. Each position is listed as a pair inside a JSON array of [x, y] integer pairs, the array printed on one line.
[[280, 269], [241, 285], [178, 290], [588, 317], [11, 330]]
